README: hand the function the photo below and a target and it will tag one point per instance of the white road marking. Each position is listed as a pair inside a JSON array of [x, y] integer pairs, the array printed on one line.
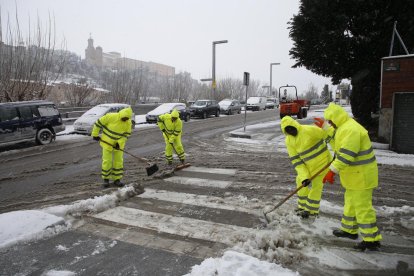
[[182, 226], [211, 170], [199, 182], [228, 203]]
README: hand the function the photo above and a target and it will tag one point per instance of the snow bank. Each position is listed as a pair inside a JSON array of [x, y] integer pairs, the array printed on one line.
[[93, 205], [28, 225], [235, 263]]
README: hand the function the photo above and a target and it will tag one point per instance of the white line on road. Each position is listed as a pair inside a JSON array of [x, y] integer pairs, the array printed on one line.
[[228, 203], [211, 170], [199, 182], [182, 226]]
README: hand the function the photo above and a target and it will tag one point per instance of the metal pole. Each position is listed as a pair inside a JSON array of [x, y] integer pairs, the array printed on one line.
[[270, 87], [245, 111], [213, 74], [271, 64]]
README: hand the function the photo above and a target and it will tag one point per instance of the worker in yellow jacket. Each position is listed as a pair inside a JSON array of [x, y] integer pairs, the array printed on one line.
[[172, 127], [357, 168], [116, 128], [308, 153]]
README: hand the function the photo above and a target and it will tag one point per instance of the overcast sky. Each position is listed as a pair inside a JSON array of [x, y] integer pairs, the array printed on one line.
[[180, 33]]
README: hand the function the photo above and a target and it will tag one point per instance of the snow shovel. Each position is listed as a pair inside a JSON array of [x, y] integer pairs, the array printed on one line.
[[151, 169], [294, 192]]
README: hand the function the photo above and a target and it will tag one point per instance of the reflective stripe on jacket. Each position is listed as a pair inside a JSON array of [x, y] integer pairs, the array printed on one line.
[[172, 129], [355, 159], [114, 130], [307, 150]]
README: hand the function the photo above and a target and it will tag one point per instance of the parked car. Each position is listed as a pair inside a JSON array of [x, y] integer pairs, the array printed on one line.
[[37, 121], [205, 108], [272, 103], [152, 116], [84, 124], [230, 106], [256, 103]]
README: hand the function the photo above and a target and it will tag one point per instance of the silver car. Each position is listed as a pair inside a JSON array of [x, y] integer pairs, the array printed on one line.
[[230, 107], [84, 124]]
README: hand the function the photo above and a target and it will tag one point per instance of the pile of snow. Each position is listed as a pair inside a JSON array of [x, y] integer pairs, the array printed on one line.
[[58, 273], [235, 263], [28, 225]]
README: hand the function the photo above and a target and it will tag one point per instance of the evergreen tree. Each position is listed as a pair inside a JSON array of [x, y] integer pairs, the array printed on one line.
[[346, 39]]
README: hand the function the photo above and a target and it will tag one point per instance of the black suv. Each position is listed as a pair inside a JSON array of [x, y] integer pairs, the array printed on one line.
[[29, 121], [205, 108]]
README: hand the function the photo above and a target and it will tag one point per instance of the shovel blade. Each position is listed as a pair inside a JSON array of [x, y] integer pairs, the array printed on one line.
[[151, 169]]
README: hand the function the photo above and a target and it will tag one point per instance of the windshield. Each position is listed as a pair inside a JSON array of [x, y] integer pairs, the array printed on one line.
[[200, 103], [164, 108], [96, 111], [225, 102]]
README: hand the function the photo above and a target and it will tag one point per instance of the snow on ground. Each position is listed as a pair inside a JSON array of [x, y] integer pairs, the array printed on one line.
[[28, 225], [234, 263], [280, 245]]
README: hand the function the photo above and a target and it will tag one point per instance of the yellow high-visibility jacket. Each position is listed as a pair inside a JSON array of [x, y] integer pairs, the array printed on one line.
[[355, 159], [173, 130], [307, 150], [114, 130]]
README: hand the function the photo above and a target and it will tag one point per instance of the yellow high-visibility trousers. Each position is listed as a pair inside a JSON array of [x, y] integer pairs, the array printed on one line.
[[309, 199], [359, 215], [177, 145], [112, 164]]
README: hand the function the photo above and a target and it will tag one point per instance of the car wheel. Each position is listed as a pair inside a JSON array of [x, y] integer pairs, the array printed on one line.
[[300, 114], [44, 136], [133, 124], [217, 113], [187, 117], [204, 115], [230, 112], [239, 111], [305, 113]]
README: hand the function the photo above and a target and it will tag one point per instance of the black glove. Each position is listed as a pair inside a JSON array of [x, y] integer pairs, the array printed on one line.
[[306, 182], [116, 146], [163, 130], [97, 138]]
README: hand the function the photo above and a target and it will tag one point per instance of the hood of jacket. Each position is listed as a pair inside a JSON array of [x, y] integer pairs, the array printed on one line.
[[336, 114], [126, 112], [289, 121], [175, 113]]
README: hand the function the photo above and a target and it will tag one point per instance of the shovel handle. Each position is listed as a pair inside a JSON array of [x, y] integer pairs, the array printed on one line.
[[298, 188], [139, 158]]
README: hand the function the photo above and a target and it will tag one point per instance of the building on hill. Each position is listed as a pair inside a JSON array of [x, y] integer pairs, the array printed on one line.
[[96, 57]]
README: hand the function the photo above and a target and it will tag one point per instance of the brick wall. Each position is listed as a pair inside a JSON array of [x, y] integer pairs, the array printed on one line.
[[397, 76]]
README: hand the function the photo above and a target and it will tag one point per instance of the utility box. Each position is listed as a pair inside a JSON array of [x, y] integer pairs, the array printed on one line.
[[396, 122]]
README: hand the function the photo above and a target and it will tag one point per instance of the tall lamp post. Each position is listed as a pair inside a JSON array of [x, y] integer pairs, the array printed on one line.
[[271, 64], [214, 64]]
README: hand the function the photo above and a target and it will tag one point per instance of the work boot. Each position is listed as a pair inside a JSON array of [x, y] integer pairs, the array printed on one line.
[[342, 234], [118, 183], [299, 211], [306, 214], [372, 246], [105, 183], [182, 161]]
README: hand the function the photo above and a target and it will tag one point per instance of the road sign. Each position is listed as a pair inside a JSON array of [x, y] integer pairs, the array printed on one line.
[[213, 84], [246, 77]]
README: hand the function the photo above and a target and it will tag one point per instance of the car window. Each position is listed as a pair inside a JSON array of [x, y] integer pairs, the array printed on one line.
[[25, 112], [47, 110], [8, 114], [179, 107]]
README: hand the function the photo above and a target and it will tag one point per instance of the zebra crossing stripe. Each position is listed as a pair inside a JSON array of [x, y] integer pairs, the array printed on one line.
[[181, 226], [211, 170], [202, 182], [229, 203]]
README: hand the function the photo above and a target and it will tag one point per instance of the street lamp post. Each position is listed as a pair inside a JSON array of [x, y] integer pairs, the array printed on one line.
[[271, 64], [214, 64]]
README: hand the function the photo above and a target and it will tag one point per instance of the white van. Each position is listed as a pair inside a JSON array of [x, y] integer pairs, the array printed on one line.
[[256, 103]]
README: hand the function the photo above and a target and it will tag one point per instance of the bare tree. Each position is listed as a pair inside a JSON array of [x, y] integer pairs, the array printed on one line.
[[28, 64], [80, 93]]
